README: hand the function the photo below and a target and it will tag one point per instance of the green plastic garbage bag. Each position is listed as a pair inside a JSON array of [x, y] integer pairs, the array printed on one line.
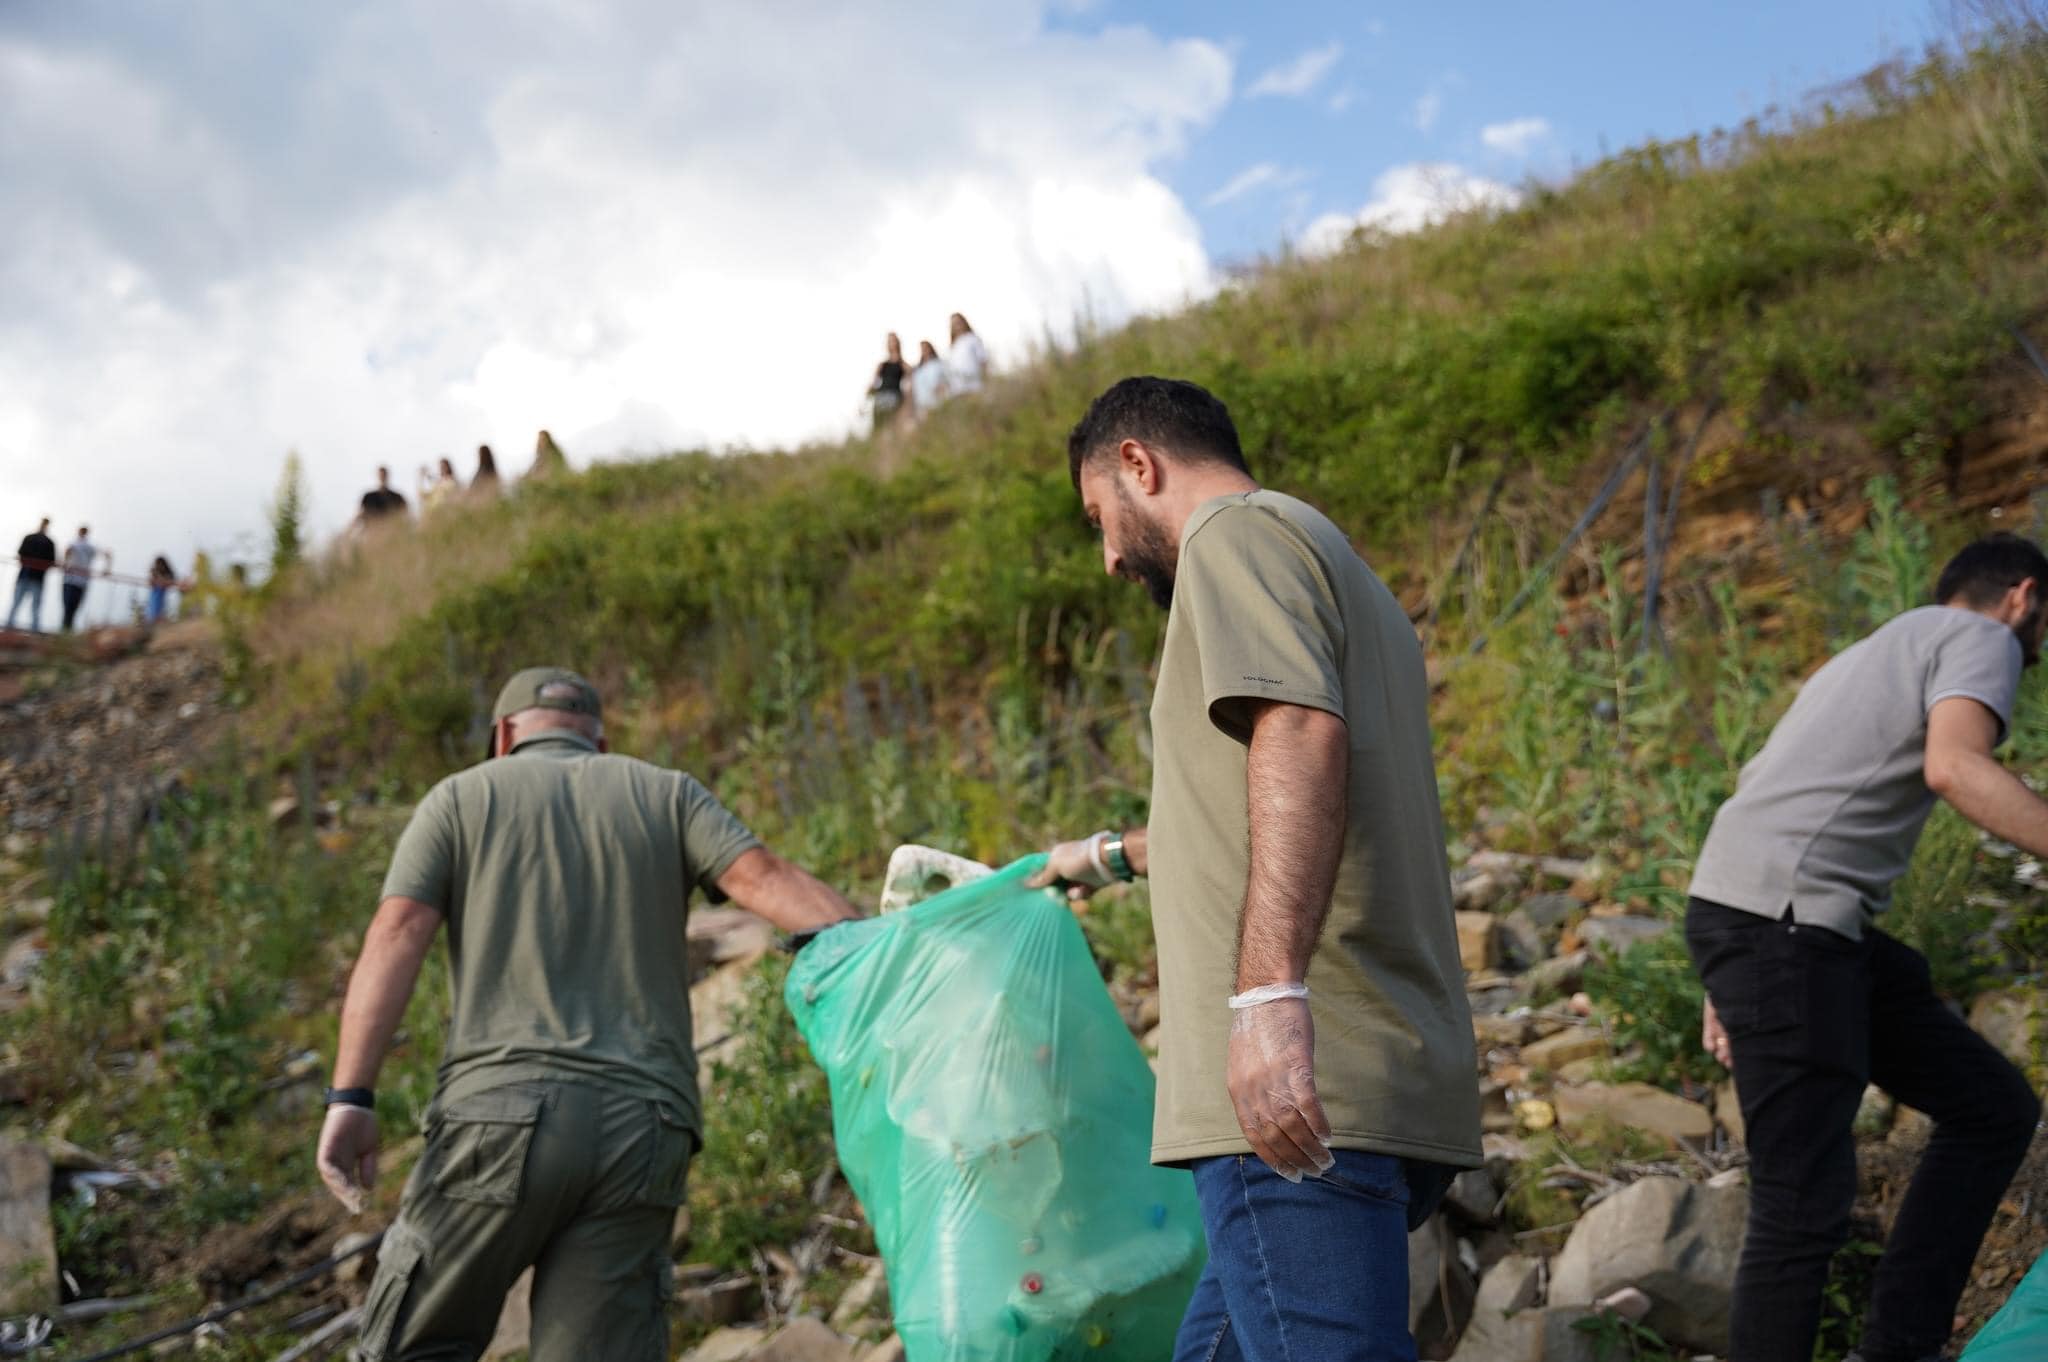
[[995, 1118], [2019, 1331]]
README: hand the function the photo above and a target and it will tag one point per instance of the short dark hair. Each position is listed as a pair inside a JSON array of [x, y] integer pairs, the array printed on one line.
[[1184, 419], [1987, 569]]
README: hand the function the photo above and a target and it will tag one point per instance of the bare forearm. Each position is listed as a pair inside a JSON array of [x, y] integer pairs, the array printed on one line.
[[1999, 802], [1134, 851], [1296, 781], [785, 894], [380, 988]]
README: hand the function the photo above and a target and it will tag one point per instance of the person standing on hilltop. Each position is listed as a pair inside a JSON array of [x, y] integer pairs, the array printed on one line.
[[485, 484], [37, 555], [885, 394], [548, 459], [439, 488], [163, 579], [381, 501], [1809, 1002], [79, 559], [567, 1110], [1316, 1055], [966, 359], [927, 381]]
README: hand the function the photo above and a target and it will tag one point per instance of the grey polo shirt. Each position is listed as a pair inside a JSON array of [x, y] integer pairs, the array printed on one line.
[[1825, 818]]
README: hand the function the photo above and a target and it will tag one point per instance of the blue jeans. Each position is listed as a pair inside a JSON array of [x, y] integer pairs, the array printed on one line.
[[28, 591], [1314, 1271]]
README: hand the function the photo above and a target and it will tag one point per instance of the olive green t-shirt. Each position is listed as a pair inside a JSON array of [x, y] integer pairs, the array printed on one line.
[[1271, 603], [564, 875]]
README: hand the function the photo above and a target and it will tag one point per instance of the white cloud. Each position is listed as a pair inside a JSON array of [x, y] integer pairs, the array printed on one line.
[[1515, 137], [1343, 99], [1428, 109], [1298, 77], [1264, 175], [1407, 199], [385, 232]]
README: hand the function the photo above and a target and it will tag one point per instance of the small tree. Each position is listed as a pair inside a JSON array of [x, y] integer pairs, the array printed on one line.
[[288, 518]]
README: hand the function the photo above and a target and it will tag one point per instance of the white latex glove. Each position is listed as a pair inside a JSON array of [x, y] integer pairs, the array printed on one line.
[[347, 1156], [1272, 1080], [1077, 865]]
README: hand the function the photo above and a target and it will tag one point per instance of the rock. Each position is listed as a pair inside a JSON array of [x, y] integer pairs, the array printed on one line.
[[889, 1349], [804, 1339], [1507, 1323], [1637, 1106], [1533, 1113], [1675, 1241], [713, 1000], [515, 1321], [1522, 942], [1440, 1290], [28, 1243], [867, 1297], [1548, 914], [1494, 1114], [34, 912], [356, 1271], [23, 960], [1477, 891], [724, 1300], [1474, 1198], [1554, 1052], [728, 1345], [1556, 977], [1874, 1113], [1511, 1028], [1565, 1339], [283, 809], [1478, 941], [1148, 1013], [721, 936], [1581, 1070], [1617, 934], [1728, 1110], [2011, 1021]]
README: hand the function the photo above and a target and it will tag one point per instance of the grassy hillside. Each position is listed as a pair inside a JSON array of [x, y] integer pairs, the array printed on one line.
[[912, 639]]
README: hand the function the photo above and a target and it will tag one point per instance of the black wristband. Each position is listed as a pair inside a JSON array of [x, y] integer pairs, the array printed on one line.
[[366, 1098]]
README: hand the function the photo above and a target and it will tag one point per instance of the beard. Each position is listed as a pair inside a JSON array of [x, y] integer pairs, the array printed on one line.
[[1149, 554]]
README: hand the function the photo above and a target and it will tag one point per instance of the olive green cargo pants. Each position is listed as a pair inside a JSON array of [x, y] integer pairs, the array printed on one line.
[[579, 1182]]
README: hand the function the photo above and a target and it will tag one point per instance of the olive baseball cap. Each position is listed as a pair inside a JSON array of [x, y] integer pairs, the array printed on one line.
[[526, 691]]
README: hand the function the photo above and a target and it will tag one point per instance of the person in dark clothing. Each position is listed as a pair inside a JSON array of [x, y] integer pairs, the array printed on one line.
[[38, 554], [383, 499], [485, 483], [1808, 1002], [885, 394]]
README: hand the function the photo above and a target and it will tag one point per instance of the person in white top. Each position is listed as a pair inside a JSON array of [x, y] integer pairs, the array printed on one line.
[[79, 560], [437, 489], [966, 360], [927, 381]]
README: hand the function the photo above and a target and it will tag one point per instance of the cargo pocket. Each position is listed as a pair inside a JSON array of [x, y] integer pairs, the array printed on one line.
[[398, 1260], [670, 1145], [483, 1142]]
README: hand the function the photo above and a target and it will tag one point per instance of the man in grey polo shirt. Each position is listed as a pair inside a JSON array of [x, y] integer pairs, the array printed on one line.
[[1808, 1002]]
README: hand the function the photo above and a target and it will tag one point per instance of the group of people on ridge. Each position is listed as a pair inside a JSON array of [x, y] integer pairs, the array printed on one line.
[[82, 561], [1317, 1056], [919, 389], [442, 487]]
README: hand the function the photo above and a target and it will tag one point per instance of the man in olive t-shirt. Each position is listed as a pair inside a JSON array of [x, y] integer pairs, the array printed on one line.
[[1316, 1060], [1810, 1002], [567, 1107]]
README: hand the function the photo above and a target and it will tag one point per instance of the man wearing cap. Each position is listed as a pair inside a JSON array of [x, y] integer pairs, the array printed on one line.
[[567, 1108]]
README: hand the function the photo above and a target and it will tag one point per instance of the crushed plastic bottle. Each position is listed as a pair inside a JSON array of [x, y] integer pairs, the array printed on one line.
[[994, 1116]]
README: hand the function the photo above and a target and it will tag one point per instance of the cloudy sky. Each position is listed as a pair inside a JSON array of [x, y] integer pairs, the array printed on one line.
[[384, 231]]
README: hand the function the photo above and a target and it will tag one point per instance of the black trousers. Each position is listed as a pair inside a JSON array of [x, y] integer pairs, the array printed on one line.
[[1812, 1019], [74, 596]]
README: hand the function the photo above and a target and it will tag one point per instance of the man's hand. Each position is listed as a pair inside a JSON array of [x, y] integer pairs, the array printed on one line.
[[347, 1158], [1272, 1080], [1077, 865], [1714, 1036]]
